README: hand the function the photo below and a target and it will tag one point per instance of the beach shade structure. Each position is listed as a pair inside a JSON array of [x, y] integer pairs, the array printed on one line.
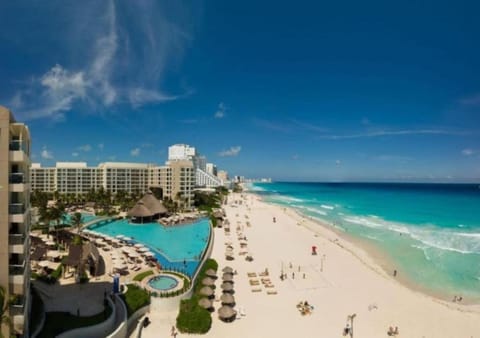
[[149, 254], [121, 237], [152, 204], [43, 264], [206, 291], [133, 254], [227, 277], [243, 241], [138, 246], [126, 250], [229, 257], [227, 269], [227, 287], [143, 249], [227, 299], [208, 281], [53, 253], [226, 313], [211, 273], [127, 239], [205, 303]]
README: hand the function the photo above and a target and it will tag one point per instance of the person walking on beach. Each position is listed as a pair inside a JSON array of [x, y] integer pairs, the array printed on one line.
[[394, 273]]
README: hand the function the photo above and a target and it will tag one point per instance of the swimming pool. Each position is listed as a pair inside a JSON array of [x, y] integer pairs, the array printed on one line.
[[163, 283], [85, 218], [178, 247]]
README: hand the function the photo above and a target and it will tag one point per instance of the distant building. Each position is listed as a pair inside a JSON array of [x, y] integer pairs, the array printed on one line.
[[181, 152], [211, 169], [14, 223], [77, 178], [223, 175]]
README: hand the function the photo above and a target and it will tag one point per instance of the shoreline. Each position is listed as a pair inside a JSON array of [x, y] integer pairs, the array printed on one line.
[[371, 256]]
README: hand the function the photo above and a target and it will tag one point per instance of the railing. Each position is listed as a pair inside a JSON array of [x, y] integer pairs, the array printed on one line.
[[16, 208], [16, 239], [16, 310], [17, 269], [16, 145], [16, 178]]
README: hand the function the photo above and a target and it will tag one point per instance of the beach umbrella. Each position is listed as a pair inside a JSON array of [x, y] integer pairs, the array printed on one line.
[[144, 249], [43, 264], [208, 281], [138, 245], [211, 273], [149, 254], [126, 238], [227, 269], [227, 277], [243, 241], [229, 257], [133, 254], [206, 291], [205, 303], [126, 249], [227, 298], [53, 253], [226, 312], [120, 237], [227, 286]]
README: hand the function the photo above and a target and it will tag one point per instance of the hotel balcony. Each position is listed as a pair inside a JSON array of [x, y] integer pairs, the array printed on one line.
[[17, 275], [17, 314], [18, 151], [18, 182], [17, 212], [17, 243]]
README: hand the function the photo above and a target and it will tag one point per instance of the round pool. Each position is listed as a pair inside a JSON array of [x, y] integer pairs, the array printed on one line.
[[163, 282]]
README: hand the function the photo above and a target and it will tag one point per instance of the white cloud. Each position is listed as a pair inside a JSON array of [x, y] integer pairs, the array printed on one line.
[[220, 113], [46, 154], [468, 152], [379, 133], [233, 151], [135, 152], [85, 148], [473, 100], [118, 64], [75, 154], [338, 162]]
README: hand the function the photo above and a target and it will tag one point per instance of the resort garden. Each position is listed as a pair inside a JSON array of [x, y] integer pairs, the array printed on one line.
[[192, 317]]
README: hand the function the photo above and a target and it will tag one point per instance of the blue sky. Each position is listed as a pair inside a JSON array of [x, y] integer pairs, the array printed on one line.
[[309, 90]]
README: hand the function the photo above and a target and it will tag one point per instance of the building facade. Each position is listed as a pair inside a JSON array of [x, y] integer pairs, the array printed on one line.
[[176, 179], [15, 222]]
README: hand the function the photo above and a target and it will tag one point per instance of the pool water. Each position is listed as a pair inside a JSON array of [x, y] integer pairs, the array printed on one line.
[[163, 283], [177, 247], [85, 218]]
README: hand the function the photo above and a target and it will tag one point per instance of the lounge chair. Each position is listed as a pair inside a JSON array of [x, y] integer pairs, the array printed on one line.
[[251, 274], [271, 292], [257, 289], [254, 282]]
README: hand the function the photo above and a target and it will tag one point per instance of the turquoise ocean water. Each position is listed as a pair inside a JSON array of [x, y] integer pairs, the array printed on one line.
[[430, 232]]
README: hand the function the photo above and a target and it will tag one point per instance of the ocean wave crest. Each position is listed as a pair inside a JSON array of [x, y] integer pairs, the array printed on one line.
[[326, 206], [443, 239]]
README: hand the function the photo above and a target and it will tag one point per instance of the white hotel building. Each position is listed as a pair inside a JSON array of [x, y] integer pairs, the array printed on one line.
[[177, 178]]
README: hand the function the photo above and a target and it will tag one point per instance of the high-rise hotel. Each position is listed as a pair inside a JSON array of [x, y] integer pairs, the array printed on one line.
[[176, 179], [14, 222]]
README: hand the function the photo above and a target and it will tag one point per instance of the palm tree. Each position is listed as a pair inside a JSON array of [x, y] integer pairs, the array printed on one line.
[[77, 221], [57, 214], [4, 318]]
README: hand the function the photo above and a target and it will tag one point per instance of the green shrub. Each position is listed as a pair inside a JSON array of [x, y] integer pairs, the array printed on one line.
[[142, 275], [135, 298], [192, 318], [57, 272]]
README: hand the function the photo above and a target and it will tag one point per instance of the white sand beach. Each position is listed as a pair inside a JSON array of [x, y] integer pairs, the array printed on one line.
[[339, 281]]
